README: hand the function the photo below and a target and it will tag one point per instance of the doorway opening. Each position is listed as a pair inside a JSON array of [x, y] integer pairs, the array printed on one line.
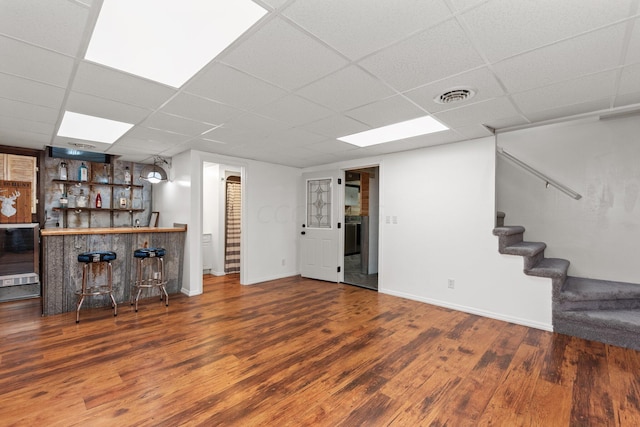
[[232, 225], [221, 219], [361, 217]]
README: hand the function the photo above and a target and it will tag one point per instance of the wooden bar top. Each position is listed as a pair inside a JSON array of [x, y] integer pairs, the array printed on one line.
[[108, 230]]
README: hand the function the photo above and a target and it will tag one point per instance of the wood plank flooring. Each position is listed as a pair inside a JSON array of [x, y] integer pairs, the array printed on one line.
[[297, 352]]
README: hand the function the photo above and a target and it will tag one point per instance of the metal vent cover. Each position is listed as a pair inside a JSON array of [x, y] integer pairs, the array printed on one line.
[[81, 145], [457, 94]]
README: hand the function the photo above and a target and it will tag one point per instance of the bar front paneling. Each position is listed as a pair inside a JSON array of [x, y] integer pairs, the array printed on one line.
[[62, 273]]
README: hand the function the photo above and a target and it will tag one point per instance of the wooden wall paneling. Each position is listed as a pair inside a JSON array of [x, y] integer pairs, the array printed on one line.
[[23, 168]]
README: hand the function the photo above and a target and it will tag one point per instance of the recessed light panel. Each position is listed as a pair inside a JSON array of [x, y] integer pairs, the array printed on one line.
[[91, 128], [167, 40], [415, 127]]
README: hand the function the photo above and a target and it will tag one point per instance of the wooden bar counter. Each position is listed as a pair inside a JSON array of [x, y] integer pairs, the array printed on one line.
[[61, 272]]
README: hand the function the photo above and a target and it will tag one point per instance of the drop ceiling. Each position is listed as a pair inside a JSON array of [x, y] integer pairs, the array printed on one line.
[[311, 71]]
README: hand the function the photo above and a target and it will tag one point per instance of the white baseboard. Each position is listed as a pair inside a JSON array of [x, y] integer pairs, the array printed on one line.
[[190, 293], [471, 310], [268, 278]]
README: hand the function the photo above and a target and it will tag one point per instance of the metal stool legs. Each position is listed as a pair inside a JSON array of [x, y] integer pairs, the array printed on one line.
[[156, 278], [85, 291]]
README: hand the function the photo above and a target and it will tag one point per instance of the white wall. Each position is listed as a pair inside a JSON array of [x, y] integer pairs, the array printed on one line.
[[268, 216], [170, 199], [443, 200], [271, 203], [211, 186], [599, 159]]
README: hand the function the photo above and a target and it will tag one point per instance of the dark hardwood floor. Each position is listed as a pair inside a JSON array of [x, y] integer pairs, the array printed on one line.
[[298, 352]]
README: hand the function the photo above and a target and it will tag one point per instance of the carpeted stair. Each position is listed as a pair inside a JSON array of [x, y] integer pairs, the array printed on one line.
[[598, 310]]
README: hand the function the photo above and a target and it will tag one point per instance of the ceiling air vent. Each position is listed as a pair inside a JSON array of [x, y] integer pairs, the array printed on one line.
[[458, 94]]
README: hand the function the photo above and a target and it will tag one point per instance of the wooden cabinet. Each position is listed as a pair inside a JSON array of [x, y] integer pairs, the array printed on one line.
[[14, 167]]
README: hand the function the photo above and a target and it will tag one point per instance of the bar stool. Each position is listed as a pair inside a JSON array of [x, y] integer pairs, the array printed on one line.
[[155, 278], [89, 258]]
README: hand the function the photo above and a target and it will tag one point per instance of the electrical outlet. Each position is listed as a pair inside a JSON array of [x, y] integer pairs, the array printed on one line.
[[451, 284]]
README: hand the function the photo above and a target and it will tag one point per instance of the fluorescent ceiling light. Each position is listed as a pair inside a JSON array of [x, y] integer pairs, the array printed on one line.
[[90, 128], [396, 131], [167, 40]]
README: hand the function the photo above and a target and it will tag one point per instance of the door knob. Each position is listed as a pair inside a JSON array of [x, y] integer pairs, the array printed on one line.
[[303, 232]]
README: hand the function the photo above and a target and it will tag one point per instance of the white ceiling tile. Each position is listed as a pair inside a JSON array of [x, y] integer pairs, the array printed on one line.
[[104, 82], [577, 91], [629, 79], [24, 90], [588, 54], [204, 110], [416, 142], [34, 63], [566, 54], [232, 87], [480, 112], [354, 86], [336, 126], [503, 28], [627, 99], [129, 146], [106, 108], [570, 110], [473, 131], [132, 157], [633, 50], [24, 139], [23, 125], [429, 56], [331, 146], [293, 137], [210, 146], [175, 124], [54, 24], [275, 3], [507, 122], [246, 129], [482, 81], [460, 5], [294, 110], [284, 56], [227, 135], [255, 122], [153, 137], [347, 25], [26, 111], [391, 110]]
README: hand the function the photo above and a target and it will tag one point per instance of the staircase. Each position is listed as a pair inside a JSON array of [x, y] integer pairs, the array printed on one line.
[[598, 310]]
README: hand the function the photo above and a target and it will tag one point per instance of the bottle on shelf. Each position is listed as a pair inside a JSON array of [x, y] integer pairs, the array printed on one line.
[[63, 171], [98, 201], [83, 173], [127, 176], [81, 199]]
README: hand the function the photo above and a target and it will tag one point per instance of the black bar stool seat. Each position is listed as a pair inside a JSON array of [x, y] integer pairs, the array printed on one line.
[[89, 258], [154, 278]]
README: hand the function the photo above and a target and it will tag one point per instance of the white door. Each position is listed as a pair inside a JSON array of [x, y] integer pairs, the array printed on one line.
[[320, 236]]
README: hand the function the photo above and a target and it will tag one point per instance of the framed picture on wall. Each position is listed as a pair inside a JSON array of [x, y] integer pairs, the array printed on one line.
[[153, 222]]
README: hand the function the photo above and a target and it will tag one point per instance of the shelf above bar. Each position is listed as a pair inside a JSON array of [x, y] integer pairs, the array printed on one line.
[[106, 184]]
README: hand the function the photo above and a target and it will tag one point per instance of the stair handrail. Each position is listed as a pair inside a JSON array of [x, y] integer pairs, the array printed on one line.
[[548, 181]]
